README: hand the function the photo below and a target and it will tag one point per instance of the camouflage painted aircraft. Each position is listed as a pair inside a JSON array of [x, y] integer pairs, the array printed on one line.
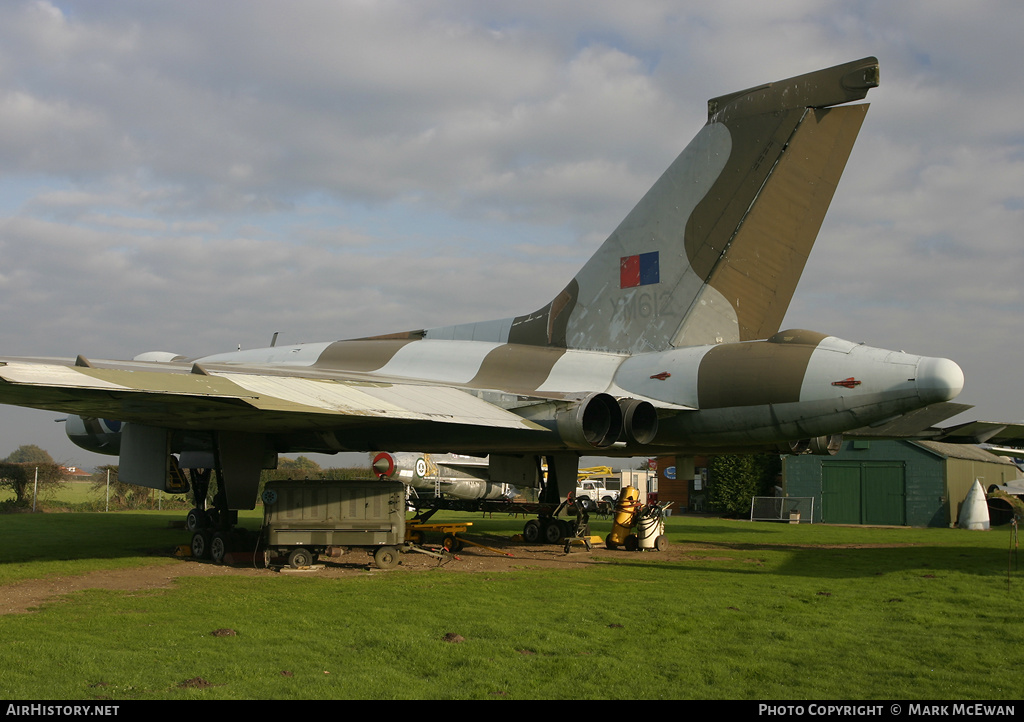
[[666, 342]]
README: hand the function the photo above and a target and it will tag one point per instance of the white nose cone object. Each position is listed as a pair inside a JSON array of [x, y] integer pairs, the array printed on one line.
[[974, 512]]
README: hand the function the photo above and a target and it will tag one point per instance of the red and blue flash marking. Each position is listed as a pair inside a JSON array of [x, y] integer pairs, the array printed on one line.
[[639, 270]]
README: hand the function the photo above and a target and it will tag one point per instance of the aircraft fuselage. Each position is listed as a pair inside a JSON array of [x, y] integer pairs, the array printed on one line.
[[749, 395]]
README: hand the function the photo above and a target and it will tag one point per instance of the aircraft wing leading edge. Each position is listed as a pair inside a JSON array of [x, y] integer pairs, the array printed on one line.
[[232, 401]]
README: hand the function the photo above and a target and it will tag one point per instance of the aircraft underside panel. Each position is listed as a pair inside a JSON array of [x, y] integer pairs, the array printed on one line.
[[145, 455]]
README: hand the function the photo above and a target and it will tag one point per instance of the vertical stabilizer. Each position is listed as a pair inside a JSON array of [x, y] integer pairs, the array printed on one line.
[[713, 252]]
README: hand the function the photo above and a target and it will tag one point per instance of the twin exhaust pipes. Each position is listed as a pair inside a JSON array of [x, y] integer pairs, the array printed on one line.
[[600, 420]]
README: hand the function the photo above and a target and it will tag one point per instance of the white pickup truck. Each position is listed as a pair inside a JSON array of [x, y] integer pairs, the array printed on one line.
[[590, 491]]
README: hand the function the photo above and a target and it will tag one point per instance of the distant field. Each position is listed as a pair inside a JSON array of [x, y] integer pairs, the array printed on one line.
[[734, 610], [74, 492], [73, 495]]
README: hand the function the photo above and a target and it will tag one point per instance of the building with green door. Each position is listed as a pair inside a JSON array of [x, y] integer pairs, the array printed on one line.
[[900, 483]]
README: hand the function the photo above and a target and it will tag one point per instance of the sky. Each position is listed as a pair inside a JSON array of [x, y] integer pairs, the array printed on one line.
[[194, 177]]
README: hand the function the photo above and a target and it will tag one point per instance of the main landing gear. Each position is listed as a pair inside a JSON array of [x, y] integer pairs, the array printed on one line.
[[214, 534], [551, 529]]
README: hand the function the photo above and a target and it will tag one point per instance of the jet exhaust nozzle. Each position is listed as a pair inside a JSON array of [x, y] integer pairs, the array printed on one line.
[[594, 423], [639, 421]]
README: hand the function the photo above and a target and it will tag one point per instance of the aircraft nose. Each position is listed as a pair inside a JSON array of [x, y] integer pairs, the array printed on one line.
[[938, 379]]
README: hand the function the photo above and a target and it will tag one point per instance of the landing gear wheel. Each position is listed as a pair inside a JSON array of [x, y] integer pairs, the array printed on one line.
[[553, 532], [195, 520], [201, 545], [299, 557], [660, 543], [632, 543], [220, 545], [531, 531], [386, 557]]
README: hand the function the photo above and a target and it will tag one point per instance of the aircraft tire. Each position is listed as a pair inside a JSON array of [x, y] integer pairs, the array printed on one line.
[[219, 547], [386, 557], [195, 520], [201, 544]]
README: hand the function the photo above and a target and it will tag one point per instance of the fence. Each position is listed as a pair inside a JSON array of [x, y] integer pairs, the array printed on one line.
[[794, 509]]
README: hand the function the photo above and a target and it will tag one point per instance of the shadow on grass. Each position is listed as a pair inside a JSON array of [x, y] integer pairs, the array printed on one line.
[[838, 561], [113, 535], [726, 546]]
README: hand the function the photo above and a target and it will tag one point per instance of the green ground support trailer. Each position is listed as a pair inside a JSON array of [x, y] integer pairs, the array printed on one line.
[[304, 519]]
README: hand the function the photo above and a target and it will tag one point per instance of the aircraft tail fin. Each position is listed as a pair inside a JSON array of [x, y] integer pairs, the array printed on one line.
[[714, 250]]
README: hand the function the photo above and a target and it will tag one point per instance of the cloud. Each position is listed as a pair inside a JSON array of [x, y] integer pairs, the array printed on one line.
[[194, 176]]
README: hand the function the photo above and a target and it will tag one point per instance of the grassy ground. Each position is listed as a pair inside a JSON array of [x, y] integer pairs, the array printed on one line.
[[749, 611]]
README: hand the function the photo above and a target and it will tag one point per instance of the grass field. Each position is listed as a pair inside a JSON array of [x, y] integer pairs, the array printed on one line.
[[749, 611], [67, 492], [81, 496]]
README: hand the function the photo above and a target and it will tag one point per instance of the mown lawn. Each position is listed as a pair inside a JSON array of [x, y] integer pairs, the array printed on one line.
[[750, 611]]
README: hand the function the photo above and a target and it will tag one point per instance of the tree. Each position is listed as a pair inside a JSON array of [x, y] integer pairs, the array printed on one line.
[[302, 464], [122, 494], [29, 454], [24, 467], [734, 479], [300, 468]]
